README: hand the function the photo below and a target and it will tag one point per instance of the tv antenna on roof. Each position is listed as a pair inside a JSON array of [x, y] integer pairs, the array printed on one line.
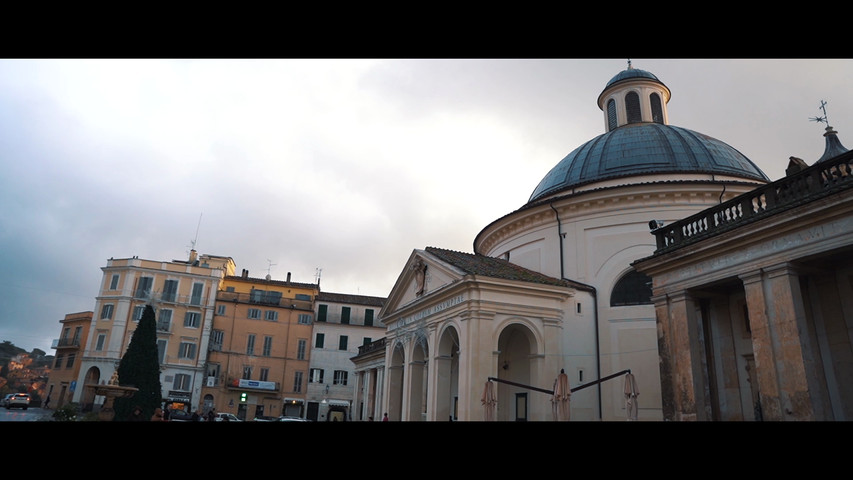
[[824, 118], [317, 276], [269, 266], [195, 240]]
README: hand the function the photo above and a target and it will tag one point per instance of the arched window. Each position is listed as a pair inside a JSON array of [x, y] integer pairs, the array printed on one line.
[[634, 288], [611, 114], [632, 106], [657, 110]]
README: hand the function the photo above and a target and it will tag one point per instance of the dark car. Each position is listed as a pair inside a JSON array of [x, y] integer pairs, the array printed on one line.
[[180, 416]]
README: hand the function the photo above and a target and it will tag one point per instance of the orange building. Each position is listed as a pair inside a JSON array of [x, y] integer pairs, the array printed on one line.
[[259, 347]]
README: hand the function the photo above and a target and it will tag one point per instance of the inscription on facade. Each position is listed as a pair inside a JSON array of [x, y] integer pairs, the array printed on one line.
[[426, 312]]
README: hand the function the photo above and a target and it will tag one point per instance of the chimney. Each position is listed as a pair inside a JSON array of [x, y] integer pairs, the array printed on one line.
[[245, 273], [193, 256], [288, 277]]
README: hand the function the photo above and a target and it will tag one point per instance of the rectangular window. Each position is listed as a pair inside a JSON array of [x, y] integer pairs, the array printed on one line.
[[182, 382], [304, 319], [265, 374], [170, 291], [192, 319], [301, 345], [272, 298], [99, 346], [267, 346], [78, 332], [342, 343], [318, 342], [220, 309], [255, 313], [195, 298], [297, 382], [366, 341], [107, 312], [216, 338], [345, 312], [250, 345], [368, 317], [143, 288], [322, 311], [229, 289], [256, 296], [340, 377], [58, 362], [302, 296], [137, 312], [271, 316], [315, 375], [164, 323], [187, 350], [161, 351], [114, 282], [247, 372], [70, 362]]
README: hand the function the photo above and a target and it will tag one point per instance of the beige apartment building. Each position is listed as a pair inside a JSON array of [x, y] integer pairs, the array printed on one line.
[[66, 363], [183, 294], [259, 349]]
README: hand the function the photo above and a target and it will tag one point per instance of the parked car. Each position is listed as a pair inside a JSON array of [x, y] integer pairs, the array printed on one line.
[[180, 416], [226, 417], [5, 401], [18, 400], [285, 418], [264, 418]]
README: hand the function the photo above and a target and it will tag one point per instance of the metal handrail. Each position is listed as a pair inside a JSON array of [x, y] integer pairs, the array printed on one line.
[[551, 392]]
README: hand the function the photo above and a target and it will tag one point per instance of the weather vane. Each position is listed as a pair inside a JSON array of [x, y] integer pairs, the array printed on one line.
[[822, 119]]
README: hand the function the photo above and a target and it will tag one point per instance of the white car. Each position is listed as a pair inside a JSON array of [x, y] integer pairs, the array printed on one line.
[[18, 400], [226, 417]]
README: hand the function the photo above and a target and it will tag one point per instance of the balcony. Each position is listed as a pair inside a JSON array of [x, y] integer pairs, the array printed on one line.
[[372, 346], [248, 298], [182, 300], [66, 343]]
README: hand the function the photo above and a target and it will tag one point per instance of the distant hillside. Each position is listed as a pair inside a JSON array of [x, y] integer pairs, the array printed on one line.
[[9, 350]]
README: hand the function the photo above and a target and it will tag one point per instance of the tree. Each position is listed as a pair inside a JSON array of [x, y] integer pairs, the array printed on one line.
[[140, 368]]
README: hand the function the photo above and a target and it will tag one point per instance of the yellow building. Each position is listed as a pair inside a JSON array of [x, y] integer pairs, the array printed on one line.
[[66, 364], [183, 294], [259, 347]]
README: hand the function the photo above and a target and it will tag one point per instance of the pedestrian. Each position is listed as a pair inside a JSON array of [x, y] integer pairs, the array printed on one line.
[[158, 415], [136, 415], [211, 415], [196, 416], [47, 402], [385, 418], [166, 415]]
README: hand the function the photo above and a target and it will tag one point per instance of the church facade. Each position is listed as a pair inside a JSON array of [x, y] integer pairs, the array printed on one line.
[[551, 286]]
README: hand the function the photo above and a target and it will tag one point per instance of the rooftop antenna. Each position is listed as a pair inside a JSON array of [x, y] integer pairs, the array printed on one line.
[[317, 276], [824, 118], [629, 64], [269, 266]]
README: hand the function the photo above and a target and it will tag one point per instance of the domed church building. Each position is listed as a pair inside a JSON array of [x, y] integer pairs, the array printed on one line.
[[550, 287]]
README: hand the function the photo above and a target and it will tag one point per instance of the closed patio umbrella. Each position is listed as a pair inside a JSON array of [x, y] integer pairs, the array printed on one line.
[[490, 402], [561, 402], [631, 392]]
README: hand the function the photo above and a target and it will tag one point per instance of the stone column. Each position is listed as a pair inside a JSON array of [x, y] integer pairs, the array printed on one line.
[[678, 339]]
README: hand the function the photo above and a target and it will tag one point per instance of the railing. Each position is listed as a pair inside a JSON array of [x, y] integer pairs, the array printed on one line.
[[67, 342], [195, 301], [811, 183], [264, 300], [551, 392], [372, 346]]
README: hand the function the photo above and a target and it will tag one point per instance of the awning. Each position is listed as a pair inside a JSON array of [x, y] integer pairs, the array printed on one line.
[[293, 400], [338, 403]]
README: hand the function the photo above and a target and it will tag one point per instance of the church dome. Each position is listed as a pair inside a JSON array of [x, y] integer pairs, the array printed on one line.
[[643, 149], [639, 141]]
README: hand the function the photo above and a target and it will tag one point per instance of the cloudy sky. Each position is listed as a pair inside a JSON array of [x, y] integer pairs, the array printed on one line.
[[336, 166]]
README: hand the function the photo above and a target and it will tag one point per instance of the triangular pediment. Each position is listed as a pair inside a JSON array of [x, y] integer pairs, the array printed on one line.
[[422, 274]]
